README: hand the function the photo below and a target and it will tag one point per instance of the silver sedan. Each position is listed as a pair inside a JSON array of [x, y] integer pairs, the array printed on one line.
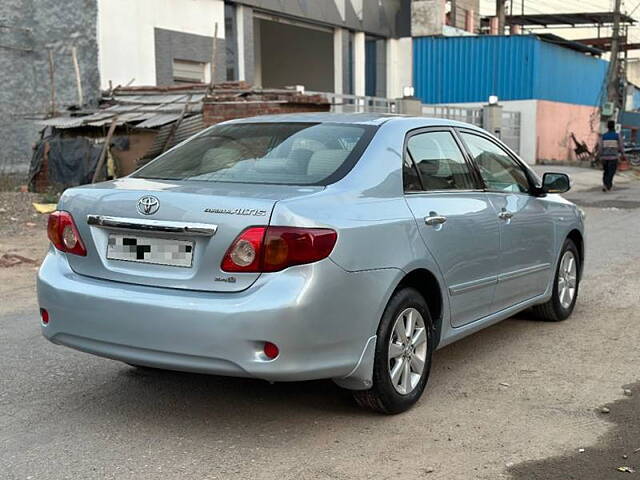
[[314, 246]]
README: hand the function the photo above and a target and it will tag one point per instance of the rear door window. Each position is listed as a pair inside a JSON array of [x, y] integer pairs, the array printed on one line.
[[275, 153], [439, 162]]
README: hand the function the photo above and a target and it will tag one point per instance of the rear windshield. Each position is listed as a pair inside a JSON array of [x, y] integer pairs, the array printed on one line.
[[279, 153]]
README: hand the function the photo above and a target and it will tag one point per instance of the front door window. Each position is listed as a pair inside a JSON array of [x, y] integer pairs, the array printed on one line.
[[498, 170]]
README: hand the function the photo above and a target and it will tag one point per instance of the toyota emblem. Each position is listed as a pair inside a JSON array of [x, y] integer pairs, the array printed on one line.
[[148, 205]]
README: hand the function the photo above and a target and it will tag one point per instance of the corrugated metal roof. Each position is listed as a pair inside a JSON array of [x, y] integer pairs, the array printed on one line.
[[188, 127], [62, 122], [158, 120], [143, 111]]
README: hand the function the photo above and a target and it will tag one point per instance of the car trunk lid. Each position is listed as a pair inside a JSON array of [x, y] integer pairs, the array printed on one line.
[[181, 243]]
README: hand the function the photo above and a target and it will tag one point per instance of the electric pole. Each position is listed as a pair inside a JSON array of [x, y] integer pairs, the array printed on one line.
[[500, 13], [613, 73]]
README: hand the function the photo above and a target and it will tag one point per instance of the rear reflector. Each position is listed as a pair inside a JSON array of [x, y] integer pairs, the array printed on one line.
[[44, 315], [63, 233], [271, 350], [271, 249]]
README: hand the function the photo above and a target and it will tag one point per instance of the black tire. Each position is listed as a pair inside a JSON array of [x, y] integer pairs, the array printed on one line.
[[553, 311], [382, 397]]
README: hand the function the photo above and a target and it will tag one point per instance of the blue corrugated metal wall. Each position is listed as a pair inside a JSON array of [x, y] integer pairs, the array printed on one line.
[[519, 67]]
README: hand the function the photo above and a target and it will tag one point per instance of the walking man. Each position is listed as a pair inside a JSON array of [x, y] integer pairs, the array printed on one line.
[[611, 150]]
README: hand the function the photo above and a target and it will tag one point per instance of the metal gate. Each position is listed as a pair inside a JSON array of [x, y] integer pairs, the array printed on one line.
[[510, 133], [510, 128]]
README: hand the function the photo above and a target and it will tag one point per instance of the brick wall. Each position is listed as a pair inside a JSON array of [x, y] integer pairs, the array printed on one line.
[[219, 108]]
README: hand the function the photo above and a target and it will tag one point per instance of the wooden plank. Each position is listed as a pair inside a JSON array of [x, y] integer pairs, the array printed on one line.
[[105, 149]]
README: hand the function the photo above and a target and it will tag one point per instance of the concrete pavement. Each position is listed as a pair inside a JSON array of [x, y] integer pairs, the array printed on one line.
[[517, 400]]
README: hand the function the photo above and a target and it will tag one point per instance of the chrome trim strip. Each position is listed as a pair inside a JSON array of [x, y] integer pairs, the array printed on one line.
[[145, 225], [523, 271], [473, 285], [448, 191]]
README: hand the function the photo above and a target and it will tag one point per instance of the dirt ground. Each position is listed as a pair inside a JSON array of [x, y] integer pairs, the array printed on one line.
[[520, 400], [22, 232]]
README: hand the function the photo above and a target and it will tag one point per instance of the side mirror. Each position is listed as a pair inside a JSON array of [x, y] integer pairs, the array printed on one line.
[[555, 183]]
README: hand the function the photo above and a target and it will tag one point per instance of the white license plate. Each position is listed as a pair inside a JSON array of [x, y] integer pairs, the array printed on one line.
[[159, 251]]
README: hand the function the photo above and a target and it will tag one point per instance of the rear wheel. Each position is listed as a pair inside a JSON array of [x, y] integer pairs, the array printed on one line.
[[403, 355], [565, 286]]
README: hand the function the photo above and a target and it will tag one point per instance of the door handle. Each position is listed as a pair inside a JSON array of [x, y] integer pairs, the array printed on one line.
[[505, 215], [435, 220]]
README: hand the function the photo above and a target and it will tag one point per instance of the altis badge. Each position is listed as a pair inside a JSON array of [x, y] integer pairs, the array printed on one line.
[[237, 211]]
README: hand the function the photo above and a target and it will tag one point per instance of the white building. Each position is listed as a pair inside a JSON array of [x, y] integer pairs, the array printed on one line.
[[360, 47]]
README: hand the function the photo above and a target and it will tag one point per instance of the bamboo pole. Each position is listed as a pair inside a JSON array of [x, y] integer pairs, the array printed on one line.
[[212, 70], [52, 85], [76, 66]]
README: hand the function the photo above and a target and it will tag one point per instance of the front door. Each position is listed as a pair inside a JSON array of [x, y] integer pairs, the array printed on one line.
[[526, 227], [456, 220]]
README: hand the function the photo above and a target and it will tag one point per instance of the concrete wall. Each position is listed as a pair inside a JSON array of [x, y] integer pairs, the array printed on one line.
[[385, 18], [427, 17], [37, 26], [126, 34], [399, 65], [555, 123]]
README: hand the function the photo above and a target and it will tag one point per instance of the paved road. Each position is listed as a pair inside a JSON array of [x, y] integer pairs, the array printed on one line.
[[67, 415]]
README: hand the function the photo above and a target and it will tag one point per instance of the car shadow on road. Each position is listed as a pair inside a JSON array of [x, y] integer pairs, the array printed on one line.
[[165, 401], [131, 391]]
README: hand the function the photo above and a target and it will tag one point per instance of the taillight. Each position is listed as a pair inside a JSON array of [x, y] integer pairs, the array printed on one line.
[[64, 235], [271, 249]]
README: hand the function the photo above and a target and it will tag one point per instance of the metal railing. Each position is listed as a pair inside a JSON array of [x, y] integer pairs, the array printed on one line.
[[459, 114], [345, 103]]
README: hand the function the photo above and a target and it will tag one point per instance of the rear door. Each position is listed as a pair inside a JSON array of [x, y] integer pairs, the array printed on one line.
[[526, 226], [455, 218]]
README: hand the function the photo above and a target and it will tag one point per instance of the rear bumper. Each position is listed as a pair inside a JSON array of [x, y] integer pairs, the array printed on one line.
[[320, 316]]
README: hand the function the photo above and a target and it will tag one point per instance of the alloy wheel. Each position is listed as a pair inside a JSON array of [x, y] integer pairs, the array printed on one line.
[[407, 351], [567, 279]]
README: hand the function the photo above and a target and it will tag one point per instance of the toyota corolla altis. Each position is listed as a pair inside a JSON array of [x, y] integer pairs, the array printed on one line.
[[299, 247]]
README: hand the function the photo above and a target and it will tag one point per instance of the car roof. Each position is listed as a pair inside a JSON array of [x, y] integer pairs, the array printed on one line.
[[353, 118]]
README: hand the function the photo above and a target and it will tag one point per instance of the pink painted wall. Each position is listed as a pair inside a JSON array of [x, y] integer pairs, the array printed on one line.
[[555, 123]]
